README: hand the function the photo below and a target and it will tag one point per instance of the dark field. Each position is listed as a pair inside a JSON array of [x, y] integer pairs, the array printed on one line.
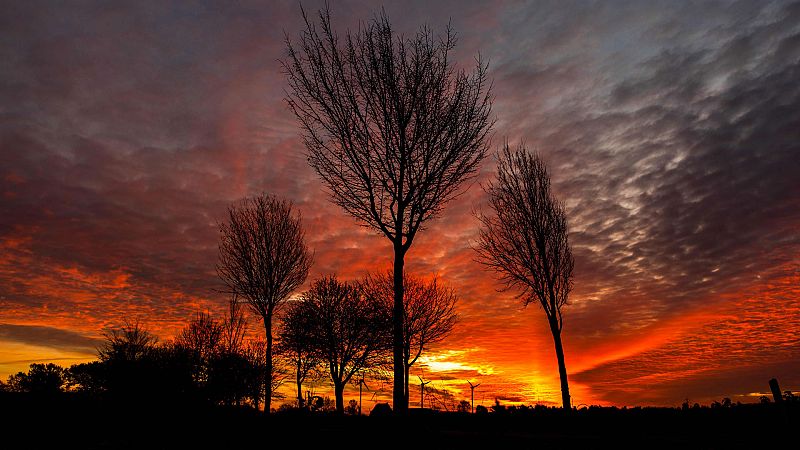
[[71, 421]]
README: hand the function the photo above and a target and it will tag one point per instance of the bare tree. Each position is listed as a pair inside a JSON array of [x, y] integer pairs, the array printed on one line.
[[348, 330], [429, 312], [263, 258], [203, 336], [297, 346], [526, 241], [234, 326], [131, 342], [202, 339], [392, 128]]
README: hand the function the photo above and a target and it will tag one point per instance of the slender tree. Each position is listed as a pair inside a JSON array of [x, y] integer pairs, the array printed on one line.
[[348, 330], [234, 327], [526, 241], [392, 128], [201, 339], [263, 258], [429, 312], [202, 336], [297, 346]]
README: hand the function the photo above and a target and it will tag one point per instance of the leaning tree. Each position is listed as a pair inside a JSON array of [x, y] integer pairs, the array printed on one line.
[[263, 258], [393, 129], [429, 312], [526, 241]]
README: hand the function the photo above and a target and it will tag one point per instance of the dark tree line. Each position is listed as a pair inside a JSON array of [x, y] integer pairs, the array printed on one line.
[[199, 366]]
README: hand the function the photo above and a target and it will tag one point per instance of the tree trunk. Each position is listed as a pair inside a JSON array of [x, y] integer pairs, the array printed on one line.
[[338, 390], [268, 365], [299, 385], [408, 392], [398, 394], [562, 368]]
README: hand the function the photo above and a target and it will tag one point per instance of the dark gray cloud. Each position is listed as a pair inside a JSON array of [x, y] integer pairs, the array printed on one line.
[[49, 337]]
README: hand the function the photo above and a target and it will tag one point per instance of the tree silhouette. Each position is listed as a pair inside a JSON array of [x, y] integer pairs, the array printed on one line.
[[87, 377], [41, 379], [234, 327], [136, 369], [348, 330], [263, 258], [392, 128], [202, 338], [526, 241], [128, 343], [429, 312], [296, 344]]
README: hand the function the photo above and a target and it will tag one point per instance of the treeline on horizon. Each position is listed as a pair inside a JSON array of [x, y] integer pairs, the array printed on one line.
[[212, 363], [335, 330]]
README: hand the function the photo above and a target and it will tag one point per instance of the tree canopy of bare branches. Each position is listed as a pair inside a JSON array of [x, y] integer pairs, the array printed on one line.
[[263, 258], [128, 343], [392, 128], [526, 240], [348, 330], [203, 336], [429, 312], [296, 344]]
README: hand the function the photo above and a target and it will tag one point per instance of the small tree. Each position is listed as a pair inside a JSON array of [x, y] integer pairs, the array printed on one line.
[[526, 241], [429, 313], [392, 128], [131, 342], [202, 339], [234, 327], [348, 330], [297, 344], [263, 258], [45, 379]]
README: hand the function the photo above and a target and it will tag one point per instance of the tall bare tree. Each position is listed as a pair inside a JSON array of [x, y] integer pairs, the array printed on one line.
[[526, 241], [429, 312], [348, 330], [296, 344], [263, 258], [392, 128]]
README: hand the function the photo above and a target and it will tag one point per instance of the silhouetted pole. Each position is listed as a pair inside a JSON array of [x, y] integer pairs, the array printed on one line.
[[776, 390], [472, 395]]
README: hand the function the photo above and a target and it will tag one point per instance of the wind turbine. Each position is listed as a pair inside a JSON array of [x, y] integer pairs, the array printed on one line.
[[422, 385], [472, 388], [361, 383]]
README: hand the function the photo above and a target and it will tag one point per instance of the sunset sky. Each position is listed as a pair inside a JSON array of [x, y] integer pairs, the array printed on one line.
[[671, 130]]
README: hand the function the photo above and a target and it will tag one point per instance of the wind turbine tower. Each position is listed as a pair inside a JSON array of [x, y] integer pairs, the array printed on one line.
[[472, 388], [422, 385]]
